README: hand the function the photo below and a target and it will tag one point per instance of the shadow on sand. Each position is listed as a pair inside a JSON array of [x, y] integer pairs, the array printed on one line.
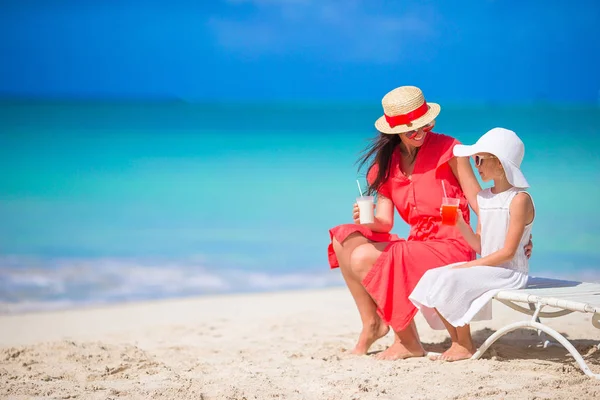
[[525, 344]]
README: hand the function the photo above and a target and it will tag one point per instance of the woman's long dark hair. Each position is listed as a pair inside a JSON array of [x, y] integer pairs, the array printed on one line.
[[379, 152]]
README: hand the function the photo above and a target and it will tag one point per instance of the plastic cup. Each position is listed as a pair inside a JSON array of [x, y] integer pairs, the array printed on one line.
[[365, 208], [450, 210]]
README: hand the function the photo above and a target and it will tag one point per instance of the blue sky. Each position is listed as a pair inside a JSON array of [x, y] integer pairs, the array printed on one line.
[[457, 51]]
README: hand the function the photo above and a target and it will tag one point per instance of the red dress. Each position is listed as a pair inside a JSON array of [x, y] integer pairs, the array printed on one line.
[[429, 244]]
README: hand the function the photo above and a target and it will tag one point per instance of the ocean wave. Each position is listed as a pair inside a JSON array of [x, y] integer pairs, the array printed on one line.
[[35, 284], [32, 284]]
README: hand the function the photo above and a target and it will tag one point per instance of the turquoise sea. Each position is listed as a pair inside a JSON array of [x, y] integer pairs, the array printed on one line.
[[107, 202]]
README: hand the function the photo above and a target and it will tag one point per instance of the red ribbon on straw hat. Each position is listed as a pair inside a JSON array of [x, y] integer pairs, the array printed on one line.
[[407, 118]]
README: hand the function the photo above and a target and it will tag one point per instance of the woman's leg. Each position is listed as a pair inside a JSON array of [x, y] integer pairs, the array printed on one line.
[[406, 343], [373, 327]]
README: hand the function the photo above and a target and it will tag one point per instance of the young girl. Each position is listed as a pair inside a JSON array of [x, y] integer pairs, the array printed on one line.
[[457, 294]]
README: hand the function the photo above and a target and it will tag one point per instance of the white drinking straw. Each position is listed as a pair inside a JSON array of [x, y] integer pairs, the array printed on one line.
[[444, 189], [359, 189]]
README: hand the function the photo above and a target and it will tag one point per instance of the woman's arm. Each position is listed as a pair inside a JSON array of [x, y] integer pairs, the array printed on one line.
[[472, 238], [384, 215], [462, 170], [521, 211]]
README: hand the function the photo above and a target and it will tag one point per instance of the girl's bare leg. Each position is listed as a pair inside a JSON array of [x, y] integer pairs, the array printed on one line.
[[373, 327], [462, 347], [453, 335]]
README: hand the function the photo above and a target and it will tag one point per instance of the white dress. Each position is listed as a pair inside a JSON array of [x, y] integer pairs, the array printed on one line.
[[464, 295]]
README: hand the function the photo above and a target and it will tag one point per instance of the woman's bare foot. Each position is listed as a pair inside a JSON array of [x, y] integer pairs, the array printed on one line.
[[369, 335], [398, 351], [456, 352]]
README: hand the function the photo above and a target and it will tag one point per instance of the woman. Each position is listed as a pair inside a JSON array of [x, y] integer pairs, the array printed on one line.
[[410, 165]]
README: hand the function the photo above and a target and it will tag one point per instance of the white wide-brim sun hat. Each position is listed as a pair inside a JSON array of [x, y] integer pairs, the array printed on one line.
[[505, 145], [405, 110]]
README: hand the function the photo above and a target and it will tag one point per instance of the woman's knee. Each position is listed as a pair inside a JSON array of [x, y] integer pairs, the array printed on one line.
[[348, 244], [362, 259]]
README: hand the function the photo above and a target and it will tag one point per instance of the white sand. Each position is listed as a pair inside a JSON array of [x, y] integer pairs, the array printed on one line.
[[291, 345]]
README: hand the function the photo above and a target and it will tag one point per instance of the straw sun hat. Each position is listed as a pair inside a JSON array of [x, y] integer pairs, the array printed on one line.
[[405, 110]]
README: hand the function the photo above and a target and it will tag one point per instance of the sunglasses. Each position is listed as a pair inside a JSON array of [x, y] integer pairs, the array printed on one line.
[[412, 134], [479, 159]]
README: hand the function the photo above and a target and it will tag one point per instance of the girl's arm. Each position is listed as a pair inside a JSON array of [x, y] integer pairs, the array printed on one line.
[[472, 238], [462, 170], [384, 215], [521, 213]]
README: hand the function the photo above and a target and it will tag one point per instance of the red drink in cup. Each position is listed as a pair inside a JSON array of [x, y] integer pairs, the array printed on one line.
[[450, 210]]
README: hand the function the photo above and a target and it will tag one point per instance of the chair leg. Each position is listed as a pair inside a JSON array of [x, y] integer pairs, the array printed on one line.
[[533, 324], [541, 334]]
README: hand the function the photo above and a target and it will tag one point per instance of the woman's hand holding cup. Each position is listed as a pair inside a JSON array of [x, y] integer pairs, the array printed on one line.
[[368, 210], [356, 214]]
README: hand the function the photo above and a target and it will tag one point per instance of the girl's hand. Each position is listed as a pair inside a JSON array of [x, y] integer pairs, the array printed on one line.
[[529, 247], [465, 265], [460, 218]]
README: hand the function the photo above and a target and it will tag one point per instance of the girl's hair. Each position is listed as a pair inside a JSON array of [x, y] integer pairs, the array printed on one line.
[[379, 153]]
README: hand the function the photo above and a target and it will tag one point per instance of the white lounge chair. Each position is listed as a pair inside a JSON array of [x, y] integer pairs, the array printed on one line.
[[564, 297]]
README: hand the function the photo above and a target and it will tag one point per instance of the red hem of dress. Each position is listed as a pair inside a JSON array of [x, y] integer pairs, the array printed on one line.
[[366, 232]]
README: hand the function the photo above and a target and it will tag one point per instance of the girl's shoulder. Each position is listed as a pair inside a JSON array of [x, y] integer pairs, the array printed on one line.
[[522, 198], [522, 204], [522, 195]]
